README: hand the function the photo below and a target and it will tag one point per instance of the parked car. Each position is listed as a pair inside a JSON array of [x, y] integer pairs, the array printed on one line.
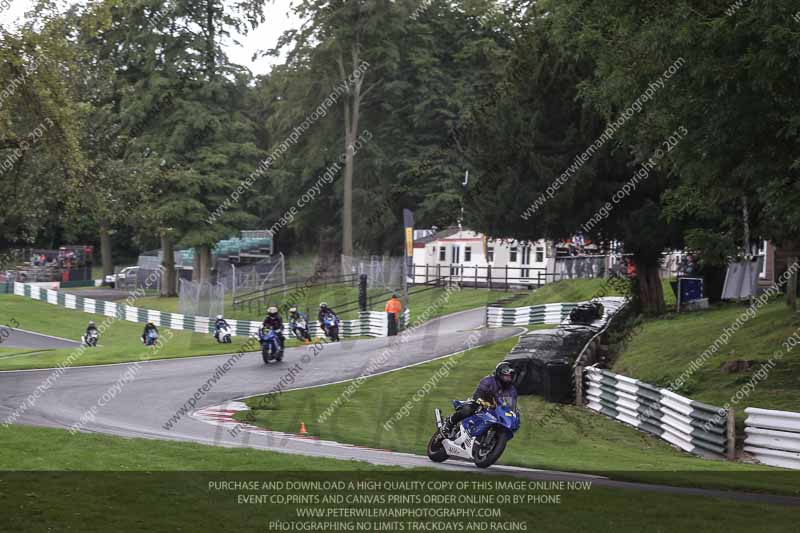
[[126, 273]]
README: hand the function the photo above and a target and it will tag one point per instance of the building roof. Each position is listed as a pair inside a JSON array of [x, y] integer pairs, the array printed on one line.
[[436, 236]]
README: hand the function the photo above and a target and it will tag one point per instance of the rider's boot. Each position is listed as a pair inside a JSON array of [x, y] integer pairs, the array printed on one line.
[[447, 427]]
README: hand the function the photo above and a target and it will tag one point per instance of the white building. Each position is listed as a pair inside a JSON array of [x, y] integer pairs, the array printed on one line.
[[477, 261]]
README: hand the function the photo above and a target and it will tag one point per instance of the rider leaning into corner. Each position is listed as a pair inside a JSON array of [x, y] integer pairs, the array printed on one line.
[[273, 321], [496, 388]]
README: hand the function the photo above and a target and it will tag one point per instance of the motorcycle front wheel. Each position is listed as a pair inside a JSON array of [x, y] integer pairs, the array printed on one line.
[[265, 354], [488, 449]]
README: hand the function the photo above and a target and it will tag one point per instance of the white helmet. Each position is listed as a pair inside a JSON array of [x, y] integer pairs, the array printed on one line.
[[272, 310], [219, 317]]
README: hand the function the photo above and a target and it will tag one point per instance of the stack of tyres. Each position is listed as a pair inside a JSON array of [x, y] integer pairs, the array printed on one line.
[[586, 313], [520, 361], [553, 375]]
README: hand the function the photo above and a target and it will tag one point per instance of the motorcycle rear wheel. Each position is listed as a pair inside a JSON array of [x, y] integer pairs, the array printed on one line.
[[489, 448], [436, 451]]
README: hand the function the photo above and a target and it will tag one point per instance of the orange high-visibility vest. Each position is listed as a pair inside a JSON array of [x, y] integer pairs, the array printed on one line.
[[394, 306]]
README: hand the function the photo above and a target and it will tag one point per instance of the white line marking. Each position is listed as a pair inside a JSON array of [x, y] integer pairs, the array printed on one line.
[[46, 335]]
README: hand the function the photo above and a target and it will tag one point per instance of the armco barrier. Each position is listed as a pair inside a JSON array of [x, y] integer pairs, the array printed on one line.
[[773, 437], [498, 317], [368, 324], [691, 426]]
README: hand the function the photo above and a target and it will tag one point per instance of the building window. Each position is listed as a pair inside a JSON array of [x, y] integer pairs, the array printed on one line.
[[442, 253], [490, 254], [539, 254], [467, 254], [513, 257]]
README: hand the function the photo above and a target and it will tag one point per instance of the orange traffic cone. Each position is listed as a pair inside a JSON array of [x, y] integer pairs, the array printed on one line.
[[303, 428]]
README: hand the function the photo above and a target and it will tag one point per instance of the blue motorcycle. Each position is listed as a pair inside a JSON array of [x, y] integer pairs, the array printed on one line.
[[271, 347], [481, 438], [330, 324]]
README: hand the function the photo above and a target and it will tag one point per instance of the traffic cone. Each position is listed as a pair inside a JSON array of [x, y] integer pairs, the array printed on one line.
[[303, 429]]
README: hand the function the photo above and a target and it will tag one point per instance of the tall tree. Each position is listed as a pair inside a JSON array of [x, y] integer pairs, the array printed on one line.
[[185, 113], [343, 42], [39, 142], [733, 92], [533, 132]]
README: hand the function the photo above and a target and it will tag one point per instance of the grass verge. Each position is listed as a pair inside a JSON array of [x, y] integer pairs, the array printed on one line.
[[579, 290], [665, 349], [337, 296]]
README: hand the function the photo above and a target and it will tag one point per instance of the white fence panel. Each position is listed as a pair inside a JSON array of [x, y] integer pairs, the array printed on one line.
[[773, 437], [690, 425]]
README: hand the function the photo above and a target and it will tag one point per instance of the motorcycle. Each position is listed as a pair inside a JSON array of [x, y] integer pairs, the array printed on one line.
[[91, 338], [223, 335], [480, 438], [330, 324], [300, 330], [271, 348], [150, 338]]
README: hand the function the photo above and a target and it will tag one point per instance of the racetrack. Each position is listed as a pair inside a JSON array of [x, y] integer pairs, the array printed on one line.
[[157, 390]]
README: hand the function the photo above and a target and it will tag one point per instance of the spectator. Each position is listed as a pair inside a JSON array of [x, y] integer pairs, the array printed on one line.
[[393, 310]]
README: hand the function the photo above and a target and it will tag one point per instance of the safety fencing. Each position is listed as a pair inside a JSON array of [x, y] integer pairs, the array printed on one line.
[[498, 317], [368, 324], [692, 426], [773, 437]]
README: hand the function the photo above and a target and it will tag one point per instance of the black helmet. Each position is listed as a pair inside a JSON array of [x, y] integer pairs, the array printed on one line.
[[505, 373]]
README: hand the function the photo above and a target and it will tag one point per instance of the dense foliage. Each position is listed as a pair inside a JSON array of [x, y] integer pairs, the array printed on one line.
[[125, 124]]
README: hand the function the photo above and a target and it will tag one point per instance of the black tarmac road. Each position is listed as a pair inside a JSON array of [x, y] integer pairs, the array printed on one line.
[[19, 338]]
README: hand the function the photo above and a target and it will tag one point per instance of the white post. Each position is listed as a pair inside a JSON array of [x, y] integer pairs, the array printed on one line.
[[233, 286]]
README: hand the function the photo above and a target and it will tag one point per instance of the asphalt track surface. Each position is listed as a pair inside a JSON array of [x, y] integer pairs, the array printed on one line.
[[20, 338], [101, 293], [143, 406]]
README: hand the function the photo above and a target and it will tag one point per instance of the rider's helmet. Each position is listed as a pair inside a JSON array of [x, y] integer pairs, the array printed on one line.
[[323, 305], [91, 323], [292, 310], [219, 317], [272, 310], [504, 373], [150, 323]]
